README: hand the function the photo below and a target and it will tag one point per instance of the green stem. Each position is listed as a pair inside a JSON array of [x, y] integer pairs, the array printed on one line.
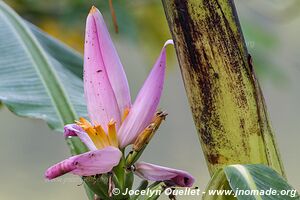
[[226, 101], [122, 178]]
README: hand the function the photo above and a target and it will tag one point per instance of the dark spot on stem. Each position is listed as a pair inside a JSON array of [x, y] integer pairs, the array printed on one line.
[[216, 75], [213, 158]]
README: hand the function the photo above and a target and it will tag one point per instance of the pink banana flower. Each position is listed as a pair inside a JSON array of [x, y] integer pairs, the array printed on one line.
[[115, 122]]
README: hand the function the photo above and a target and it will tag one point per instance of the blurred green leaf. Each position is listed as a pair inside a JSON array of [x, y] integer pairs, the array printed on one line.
[[259, 178], [268, 69], [66, 56], [259, 35], [89, 192], [244, 179], [76, 146], [40, 77], [261, 43], [97, 184], [217, 182]]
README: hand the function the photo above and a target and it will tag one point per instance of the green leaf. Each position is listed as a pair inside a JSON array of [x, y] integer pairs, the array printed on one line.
[[40, 77], [68, 57], [143, 185], [238, 181], [218, 182], [76, 146], [89, 192], [97, 184], [258, 178]]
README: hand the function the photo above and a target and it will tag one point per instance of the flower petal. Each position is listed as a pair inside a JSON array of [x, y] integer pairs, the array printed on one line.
[[112, 63], [75, 130], [100, 98], [146, 102], [153, 172], [87, 164]]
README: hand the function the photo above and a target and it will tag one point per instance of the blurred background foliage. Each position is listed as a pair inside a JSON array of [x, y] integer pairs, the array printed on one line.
[[142, 22], [65, 19]]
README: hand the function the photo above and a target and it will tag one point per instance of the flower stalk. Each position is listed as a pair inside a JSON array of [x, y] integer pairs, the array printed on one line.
[[226, 101]]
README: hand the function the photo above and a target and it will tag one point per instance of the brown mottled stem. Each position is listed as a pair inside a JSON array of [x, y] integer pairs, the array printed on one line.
[[225, 98]]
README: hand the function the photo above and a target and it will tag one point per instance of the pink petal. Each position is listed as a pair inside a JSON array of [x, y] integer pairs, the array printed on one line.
[[146, 102], [75, 130], [87, 164], [100, 98], [158, 173], [112, 63]]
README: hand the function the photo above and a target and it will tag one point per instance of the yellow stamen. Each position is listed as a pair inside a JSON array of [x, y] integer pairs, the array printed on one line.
[[83, 123], [125, 114], [92, 132], [98, 135], [102, 135], [112, 134], [95, 137]]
